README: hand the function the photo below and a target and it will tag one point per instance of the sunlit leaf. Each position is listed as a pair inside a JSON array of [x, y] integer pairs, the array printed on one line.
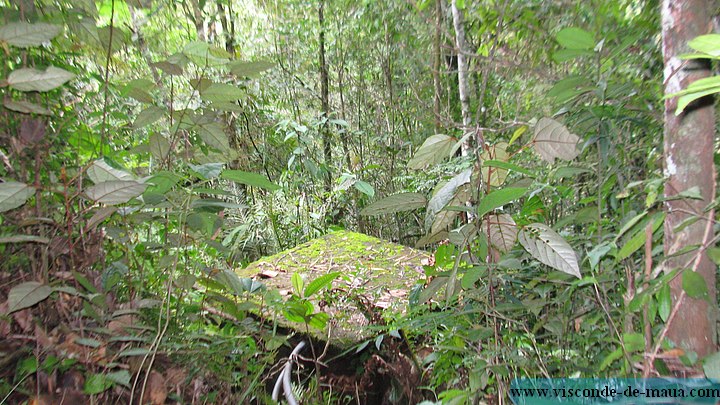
[[148, 116], [27, 294], [552, 140], [498, 198], [434, 150], [30, 79], [250, 179], [219, 92], [549, 248], [14, 194], [365, 188], [159, 146], [214, 136], [24, 35], [26, 107], [395, 203], [517, 134], [297, 282], [115, 192], [708, 44], [575, 38], [100, 172], [320, 283], [444, 195], [249, 69]]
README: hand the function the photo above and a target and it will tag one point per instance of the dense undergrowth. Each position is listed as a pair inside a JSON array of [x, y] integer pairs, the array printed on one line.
[[148, 150]]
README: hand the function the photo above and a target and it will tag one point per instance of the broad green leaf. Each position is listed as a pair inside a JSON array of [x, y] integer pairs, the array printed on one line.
[[434, 150], [249, 179], [26, 107], [508, 166], [96, 384], [694, 284], [219, 92], [575, 38], [320, 283], [462, 235], [498, 198], [638, 240], [628, 225], [664, 302], [365, 188], [89, 342], [148, 116], [204, 54], [494, 176], [204, 222], [610, 358], [100, 172], [563, 55], [598, 253], [714, 254], [711, 366], [14, 194], [298, 284], [231, 282], [159, 146], [444, 195], [552, 140], [501, 231], [685, 99], [517, 134], [569, 171], [214, 136], [139, 89], [568, 88], [214, 203], [634, 342], [30, 79], [395, 203], [249, 69], [549, 248], [208, 170], [115, 192], [135, 351], [121, 377], [26, 295], [24, 35], [708, 44], [24, 239]]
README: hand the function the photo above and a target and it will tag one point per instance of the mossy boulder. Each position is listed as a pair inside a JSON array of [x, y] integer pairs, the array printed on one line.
[[376, 277]]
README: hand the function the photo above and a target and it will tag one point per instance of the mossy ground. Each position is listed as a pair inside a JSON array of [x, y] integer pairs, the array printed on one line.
[[376, 278]]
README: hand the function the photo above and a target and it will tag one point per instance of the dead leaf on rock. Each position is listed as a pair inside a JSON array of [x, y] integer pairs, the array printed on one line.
[[268, 274]]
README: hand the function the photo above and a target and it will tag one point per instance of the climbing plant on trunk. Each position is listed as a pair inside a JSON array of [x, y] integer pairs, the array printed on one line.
[[689, 165]]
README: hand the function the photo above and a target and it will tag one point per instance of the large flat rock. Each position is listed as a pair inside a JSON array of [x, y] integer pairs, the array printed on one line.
[[376, 279]]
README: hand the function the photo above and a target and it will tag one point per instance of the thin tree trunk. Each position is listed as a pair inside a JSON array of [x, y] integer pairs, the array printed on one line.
[[437, 63], [688, 163], [460, 48], [325, 101]]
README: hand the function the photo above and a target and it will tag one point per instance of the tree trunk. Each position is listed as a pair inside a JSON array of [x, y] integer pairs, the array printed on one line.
[[463, 90], [437, 64], [688, 163], [324, 99]]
